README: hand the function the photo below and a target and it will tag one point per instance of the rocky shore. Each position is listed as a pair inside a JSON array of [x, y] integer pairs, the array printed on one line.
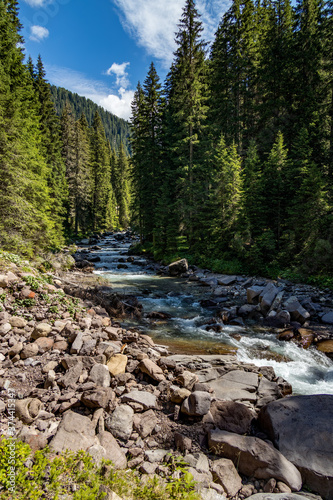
[[84, 382]]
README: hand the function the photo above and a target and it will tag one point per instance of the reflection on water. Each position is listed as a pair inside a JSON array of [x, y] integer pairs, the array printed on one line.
[[309, 371]]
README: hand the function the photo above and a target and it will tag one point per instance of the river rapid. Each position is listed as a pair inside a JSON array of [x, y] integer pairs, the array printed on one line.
[[308, 371]]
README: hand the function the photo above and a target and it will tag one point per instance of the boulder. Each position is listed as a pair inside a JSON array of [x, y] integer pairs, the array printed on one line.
[[17, 322], [117, 364], [113, 450], [225, 474], [144, 398], [44, 344], [227, 280], [29, 351], [146, 423], [72, 375], [297, 312], [253, 294], [282, 496], [77, 344], [187, 379], [28, 409], [328, 318], [98, 398], [100, 375], [120, 424], [301, 428], [41, 330], [197, 404], [152, 369], [178, 394], [231, 416], [75, 432], [254, 457], [326, 346], [267, 297], [179, 267]]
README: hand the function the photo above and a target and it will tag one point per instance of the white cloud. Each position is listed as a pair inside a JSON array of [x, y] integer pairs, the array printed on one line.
[[37, 3], [153, 23], [38, 33], [118, 103], [120, 71]]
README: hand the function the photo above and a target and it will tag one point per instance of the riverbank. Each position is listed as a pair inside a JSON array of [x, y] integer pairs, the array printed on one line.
[[80, 380]]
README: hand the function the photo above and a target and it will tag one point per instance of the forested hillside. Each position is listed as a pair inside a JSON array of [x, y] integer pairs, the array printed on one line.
[[116, 129], [233, 157], [58, 176]]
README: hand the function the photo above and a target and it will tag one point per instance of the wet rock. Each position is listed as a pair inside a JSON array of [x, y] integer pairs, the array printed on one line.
[[304, 337], [179, 267], [326, 346], [197, 404], [231, 416], [117, 364], [225, 474], [286, 335], [159, 315], [328, 318], [152, 369], [75, 432], [120, 424], [300, 427], [254, 457]]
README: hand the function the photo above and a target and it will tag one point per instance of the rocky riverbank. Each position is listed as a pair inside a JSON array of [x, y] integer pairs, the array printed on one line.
[[84, 382]]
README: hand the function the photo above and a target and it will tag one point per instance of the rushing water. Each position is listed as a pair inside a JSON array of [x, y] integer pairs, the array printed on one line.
[[309, 371]]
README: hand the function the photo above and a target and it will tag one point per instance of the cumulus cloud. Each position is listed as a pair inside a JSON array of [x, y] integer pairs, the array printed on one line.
[[120, 71], [153, 23], [37, 3], [38, 33], [117, 102]]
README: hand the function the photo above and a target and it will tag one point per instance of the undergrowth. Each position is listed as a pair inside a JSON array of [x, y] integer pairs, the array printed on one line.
[[75, 475]]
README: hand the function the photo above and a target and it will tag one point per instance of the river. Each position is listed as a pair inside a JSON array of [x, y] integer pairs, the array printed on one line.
[[308, 371]]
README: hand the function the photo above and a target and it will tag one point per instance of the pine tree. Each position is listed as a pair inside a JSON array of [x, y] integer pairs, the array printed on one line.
[[82, 188], [101, 175], [69, 158], [122, 188]]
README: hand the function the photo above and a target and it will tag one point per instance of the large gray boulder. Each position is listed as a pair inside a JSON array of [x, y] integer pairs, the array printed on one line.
[[301, 428], [75, 432], [267, 297], [179, 267], [254, 457], [297, 312]]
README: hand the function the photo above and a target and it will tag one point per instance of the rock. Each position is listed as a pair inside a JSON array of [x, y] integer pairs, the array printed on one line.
[[29, 351], [62, 345], [286, 335], [112, 332], [183, 443], [328, 318], [253, 294], [144, 398], [231, 416], [36, 441], [236, 385], [326, 346], [5, 328], [100, 375], [152, 369], [117, 364], [109, 495], [297, 312], [77, 344], [254, 457], [187, 379], [113, 450], [197, 404], [225, 474], [270, 486], [304, 337], [301, 428], [146, 423], [71, 376], [120, 424], [267, 297], [179, 267], [41, 330], [282, 319], [28, 409], [15, 349], [154, 456], [75, 432], [3, 281], [44, 344], [98, 398], [178, 394], [17, 322], [278, 496]]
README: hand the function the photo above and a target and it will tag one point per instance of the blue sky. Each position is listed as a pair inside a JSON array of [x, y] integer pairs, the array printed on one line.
[[101, 48]]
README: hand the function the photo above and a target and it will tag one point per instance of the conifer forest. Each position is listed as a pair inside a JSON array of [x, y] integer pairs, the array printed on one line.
[[228, 162]]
